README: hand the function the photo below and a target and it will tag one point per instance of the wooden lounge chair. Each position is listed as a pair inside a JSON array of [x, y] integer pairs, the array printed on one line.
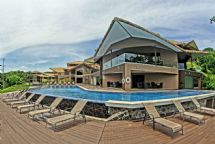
[[13, 94], [26, 101], [22, 96], [75, 112], [33, 105], [190, 115], [51, 109], [202, 109], [120, 114], [156, 118]]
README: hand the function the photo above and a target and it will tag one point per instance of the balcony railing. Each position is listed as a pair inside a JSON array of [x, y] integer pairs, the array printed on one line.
[[136, 58]]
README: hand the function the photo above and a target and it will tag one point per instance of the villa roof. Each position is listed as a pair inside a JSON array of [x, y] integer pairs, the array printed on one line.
[[43, 74], [58, 69], [75, 62], [90, 65], [121, 29], [90, 60], [188, 47]]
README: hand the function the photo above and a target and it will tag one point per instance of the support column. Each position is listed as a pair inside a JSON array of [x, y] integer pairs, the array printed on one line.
[[104, 82], [155, 56], [127, 73], [212, 105], [200, 83]]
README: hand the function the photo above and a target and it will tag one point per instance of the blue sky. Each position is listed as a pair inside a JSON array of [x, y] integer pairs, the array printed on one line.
[[38, 34]]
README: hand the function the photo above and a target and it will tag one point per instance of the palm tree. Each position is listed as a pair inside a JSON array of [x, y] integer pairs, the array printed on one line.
[[212, 19]]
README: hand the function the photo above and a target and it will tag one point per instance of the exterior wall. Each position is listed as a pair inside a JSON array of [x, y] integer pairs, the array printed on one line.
[[147, 68], [86, 74], [183, 73], [167, 75], [113, 74], [111, 78], [169, 81], [157, 74]]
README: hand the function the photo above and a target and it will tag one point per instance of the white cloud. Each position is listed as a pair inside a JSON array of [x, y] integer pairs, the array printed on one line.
[[26, 23]]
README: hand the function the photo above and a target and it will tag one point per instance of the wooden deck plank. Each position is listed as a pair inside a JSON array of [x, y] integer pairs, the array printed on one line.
[[18, 128]]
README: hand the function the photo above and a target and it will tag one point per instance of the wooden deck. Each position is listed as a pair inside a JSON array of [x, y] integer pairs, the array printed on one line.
[[18, 129]]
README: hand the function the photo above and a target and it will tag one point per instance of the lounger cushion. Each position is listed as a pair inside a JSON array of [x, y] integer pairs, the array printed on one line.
[[167, 123], [198, 116], [208, 109], [17, 102], [25, 106], [10, 100], [32, 113], [61, 118]]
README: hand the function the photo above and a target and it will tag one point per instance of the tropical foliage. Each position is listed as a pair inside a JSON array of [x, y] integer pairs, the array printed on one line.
[[14, 78], [206, 65], [212, 19]]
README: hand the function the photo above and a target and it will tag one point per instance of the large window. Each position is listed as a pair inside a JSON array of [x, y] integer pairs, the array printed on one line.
[[147, 58]]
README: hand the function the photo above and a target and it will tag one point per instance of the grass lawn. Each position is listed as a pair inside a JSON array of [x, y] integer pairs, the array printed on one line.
[[15, 88]]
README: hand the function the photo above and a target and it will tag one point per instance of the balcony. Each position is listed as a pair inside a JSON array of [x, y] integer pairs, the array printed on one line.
[[137, 58]]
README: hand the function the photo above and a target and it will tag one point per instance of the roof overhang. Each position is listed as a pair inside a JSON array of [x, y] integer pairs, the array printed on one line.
[[121, 29]]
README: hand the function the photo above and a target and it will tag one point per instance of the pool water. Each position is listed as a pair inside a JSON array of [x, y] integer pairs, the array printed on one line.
[[78, 93]]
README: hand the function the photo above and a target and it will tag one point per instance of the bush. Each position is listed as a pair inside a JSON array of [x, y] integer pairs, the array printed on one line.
[[209, 82], [14, 79]]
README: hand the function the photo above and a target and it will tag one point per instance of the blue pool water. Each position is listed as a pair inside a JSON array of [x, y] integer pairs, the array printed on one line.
[[78, 93]]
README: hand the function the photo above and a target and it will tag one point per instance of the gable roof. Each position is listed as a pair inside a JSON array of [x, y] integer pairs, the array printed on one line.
[[58, 69], [92, 66], [121, 29], [75, 62], [188, 47]]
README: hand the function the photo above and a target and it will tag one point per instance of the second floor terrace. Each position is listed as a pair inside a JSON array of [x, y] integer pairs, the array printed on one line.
[[148, 58]]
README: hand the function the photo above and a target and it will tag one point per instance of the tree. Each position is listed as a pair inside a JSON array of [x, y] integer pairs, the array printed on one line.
[[13, 80], [207, 64], [212, 19]]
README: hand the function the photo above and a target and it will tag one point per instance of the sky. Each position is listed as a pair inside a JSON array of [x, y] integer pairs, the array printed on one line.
[[38, 34]]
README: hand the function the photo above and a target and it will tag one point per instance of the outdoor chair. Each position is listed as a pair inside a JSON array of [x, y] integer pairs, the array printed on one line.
[[156, 118], [73, 115], [32, 105], [202, 109], [189, 115], [22, 96], [51, 109], [26, 101]]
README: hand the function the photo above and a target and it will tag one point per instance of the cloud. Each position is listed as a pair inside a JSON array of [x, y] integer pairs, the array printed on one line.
[[42, 57], [56, 30]]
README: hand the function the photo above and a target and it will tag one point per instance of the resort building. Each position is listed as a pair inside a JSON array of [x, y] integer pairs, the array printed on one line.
[[61, 74], [42, 77], [83, 72], [80, 72], [131, 56]]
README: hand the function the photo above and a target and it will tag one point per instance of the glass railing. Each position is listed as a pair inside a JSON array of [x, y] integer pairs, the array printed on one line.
[[136, 58]]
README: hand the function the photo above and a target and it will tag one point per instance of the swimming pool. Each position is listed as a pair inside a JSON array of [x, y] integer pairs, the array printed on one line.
[[78, 93]]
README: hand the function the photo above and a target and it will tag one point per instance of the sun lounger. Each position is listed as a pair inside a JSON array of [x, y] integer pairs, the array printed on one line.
[[119, 114], [190, 115], [202, 109], [75, 112], [33, 105], [13, 94], [26, 101], [156, 118], [22, 96], [51, 109]]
